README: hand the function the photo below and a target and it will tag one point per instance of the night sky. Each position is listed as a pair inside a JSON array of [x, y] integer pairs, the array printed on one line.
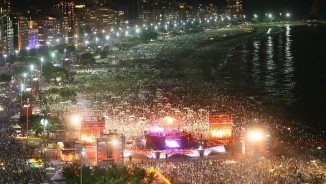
[[295, 7]]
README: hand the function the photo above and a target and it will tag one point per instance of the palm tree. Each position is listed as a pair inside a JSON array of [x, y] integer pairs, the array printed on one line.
[[150, 177], [87, 174], [139, 174], [113, 174], [99, 173], [71, 173]]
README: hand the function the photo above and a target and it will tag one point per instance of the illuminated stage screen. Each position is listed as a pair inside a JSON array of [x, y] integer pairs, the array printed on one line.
[[166, 142], [220, 131], [173, 143]]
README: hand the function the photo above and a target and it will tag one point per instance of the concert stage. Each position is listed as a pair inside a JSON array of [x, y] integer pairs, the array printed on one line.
[[166, 138], [163, 154]]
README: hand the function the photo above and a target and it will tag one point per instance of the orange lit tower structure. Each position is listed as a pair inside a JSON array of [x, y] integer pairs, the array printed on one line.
[[220, 126], [110, 148], [91, 127], [255, 141]]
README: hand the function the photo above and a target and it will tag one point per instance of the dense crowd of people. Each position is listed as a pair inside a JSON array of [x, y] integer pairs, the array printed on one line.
[[14, 154], [135, 96], [130, 112], [247, 170]]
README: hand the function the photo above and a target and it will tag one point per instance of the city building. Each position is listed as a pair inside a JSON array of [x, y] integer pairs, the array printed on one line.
[[235, 9], [33, 38], [5, 5], [6, 34], [97, 18], [67, 11], [23, 35], [177, 14], [47, 28]]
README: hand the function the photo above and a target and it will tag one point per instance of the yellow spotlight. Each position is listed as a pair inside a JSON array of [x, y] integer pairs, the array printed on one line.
[[114, 142], [75, 119], [254, 136]]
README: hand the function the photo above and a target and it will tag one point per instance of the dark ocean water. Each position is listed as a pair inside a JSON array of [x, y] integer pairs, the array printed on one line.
[[284, 70]]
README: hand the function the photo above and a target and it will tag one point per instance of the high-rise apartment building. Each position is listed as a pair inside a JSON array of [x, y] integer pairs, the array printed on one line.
[[6, 34], [23, 33], [67, 9], [47, 29], [97, 18], [5, 6], [235, 9]]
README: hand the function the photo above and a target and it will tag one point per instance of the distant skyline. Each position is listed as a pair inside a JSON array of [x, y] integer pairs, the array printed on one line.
[[250, 7], [296, 8]]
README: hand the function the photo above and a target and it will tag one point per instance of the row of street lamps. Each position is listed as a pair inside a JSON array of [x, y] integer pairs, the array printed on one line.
[[27, 49], [44, 122]]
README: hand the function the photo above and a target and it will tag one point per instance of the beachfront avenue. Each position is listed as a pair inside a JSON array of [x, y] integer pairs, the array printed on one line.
[[131, 86]]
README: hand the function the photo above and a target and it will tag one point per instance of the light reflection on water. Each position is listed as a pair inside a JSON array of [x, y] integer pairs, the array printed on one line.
[[264, 67], [284, 69], [288, 68], [255, 62], [270, 81]]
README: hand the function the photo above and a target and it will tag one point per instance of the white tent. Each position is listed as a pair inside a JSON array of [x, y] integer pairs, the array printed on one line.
[[16, 126], [57, 176], [16, 116]]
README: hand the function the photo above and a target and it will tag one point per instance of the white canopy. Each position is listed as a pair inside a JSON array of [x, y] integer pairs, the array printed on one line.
[[16, 116], [57, 176], [16, 126]]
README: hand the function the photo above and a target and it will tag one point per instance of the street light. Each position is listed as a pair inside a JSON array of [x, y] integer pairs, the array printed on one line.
[[48, 43], [16, 52], [32, 68], [5, 55], [52, 56], [27, 105], [86, 43], [81, 166], [28, 51], [24, 75], [76, 36], [21, 94], [41, 65], [44, 122]]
